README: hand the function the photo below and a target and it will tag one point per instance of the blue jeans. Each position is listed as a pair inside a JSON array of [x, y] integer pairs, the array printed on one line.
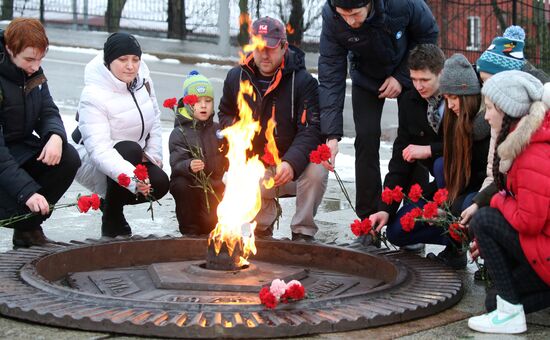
[[422, 232]]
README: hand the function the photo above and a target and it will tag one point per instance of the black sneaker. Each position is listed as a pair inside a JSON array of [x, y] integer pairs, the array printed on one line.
[[450, 256], [301, 237]]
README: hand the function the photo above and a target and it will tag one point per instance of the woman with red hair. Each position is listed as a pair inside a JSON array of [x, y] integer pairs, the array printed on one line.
[[37, 165]]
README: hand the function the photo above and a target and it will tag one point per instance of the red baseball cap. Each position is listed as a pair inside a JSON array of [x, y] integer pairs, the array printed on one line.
[[271, 30]]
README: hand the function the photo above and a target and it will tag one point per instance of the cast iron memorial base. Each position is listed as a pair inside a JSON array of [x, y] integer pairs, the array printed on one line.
[[162, 287]]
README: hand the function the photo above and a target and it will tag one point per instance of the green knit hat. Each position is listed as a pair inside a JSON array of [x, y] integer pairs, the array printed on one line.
[[198, 85]]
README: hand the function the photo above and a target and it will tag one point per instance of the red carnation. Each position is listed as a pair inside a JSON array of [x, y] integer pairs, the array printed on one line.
[[356, 228], [415, 193], [170, 103], [123, 180], [267, 298], [141, 172], [430, 210], [387, 196], [457, 232], [294, 292], [315, 157], [397, 194], [95, 201], [366, 226], [190, 99], [84, 203], [441, 196], [324, 152], [268, 158], [416, 212], [407, 222]]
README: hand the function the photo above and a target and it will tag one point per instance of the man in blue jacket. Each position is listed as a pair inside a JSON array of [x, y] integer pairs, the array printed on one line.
[[375, 36], [285, 91]]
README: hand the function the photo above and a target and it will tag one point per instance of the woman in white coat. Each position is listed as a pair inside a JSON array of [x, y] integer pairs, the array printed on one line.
[[119, 128]]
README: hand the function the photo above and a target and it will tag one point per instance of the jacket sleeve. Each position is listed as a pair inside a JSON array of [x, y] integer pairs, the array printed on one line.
[[96, 134], [399, 170], [50, 120], [228, 110], [308, 135], [332, 78], [180, 157], [527, 211], [422, 29], [14, 180], [153, 147]]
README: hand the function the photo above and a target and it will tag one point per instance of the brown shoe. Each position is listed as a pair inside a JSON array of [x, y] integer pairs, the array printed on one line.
[[25, 239]]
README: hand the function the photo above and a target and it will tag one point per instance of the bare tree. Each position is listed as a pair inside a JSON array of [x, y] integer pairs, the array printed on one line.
[[244, 23], [7, 10], [499, 13], [299, 20], [176, 19], [113, 13], [295, 27]]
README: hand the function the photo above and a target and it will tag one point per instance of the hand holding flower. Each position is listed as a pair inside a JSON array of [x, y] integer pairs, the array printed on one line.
[[38, 204], [196, 165], [284, 174], [331, 162]]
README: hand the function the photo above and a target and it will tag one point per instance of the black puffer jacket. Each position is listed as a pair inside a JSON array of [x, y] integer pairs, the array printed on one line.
[[292, 96], [376, 50], [188, 136], [26, 107]]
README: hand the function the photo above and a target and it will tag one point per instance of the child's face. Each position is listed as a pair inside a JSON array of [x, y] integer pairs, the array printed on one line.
[[204, 108]]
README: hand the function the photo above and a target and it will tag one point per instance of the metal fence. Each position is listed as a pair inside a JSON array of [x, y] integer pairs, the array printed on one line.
[[467, 26]]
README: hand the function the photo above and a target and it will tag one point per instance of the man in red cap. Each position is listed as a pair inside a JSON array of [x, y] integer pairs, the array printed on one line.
[[284, 90], [374, 37]]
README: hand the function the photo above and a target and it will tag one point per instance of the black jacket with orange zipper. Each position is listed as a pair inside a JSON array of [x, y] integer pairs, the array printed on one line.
[[292, 98]]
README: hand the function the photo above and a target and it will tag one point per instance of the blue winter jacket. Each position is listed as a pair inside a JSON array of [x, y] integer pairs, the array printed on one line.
[[376, 50]]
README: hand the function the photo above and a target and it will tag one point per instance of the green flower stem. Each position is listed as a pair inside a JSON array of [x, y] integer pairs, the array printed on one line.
[[14, 219]]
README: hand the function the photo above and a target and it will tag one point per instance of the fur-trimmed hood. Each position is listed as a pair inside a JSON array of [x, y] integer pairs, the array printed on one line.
[[532, 128]]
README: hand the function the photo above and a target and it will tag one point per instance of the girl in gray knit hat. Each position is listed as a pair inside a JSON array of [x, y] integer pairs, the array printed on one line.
[[513, 234], [466, 138]]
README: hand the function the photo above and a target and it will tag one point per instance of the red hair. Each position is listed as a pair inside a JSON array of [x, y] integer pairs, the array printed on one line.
[[25, 32]]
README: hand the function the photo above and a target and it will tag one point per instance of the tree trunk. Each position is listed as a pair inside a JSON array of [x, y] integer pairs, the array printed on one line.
[[499, 13], [244, 23], [113, 13], [295, 32], [7, 9], [176, 19]]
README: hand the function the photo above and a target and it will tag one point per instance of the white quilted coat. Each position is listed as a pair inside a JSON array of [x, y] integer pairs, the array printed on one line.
[[108, 114]]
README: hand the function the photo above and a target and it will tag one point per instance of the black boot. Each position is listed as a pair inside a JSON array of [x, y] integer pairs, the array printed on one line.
[[29, 238], [450, 256], [113, 223]]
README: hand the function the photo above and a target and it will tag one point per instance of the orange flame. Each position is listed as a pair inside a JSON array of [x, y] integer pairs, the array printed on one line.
[[271, 146], [242, 197], [289, 29]]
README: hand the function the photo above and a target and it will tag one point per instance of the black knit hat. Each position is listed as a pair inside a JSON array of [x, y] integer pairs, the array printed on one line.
[[349, 4], [119, 44]]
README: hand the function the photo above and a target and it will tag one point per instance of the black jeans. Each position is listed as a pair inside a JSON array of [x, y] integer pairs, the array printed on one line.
[[514, 278], [54, 181], [191, 210], [117, 196], [367, 114]]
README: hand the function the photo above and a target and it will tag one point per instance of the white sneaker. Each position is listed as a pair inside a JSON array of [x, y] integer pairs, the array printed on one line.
[[506, 319]]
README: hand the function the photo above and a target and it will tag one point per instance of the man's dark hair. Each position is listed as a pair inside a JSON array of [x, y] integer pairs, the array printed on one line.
[[426, 56]]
